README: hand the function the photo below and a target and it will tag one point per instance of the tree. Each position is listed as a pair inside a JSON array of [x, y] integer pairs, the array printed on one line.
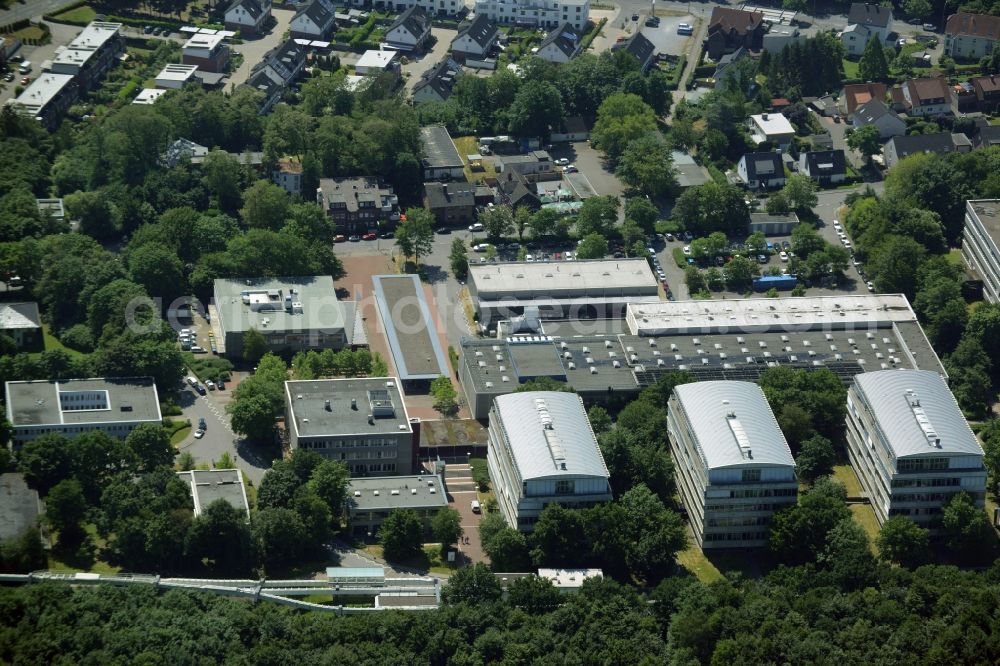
[[600, 421], [278, 487], [475, 584], [415, 236], [557, 537], [847, 556], [815, 459], [329, 481], [447, 527], [805, 240], [621, 118], [533, 595], [498, 221], [647, 165], [507, 549], [919, 9], [799, 532], [253, 417], [445, 395], [777, 204], [712, 207], [643, 212], [159, 270], [537, 107], [865, 140], [547, 222], [594, 246], [873, 65], [45, 461], [740, 272], [903, 542], [653, 533], [65, 506], [281, 536], [800, 192], [151, 445], [598, 215], [265, 206], [401, 535], [223, 177], [220, 540], [892, 263], [254, 345], [965, 526]]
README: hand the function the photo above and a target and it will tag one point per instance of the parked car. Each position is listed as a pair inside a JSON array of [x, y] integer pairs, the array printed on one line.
[[685, 29], [870, 285], [562, 161], [762, 258], [388, 234], [202, 425], [687, 249], [25, 80], [370, 236], [478, 226], [339, 238], [198, 350], [635, 17], [199, 433], [783, 255], [930, 27], [354, 238], [442, 230], [210, 384], [192, 381], [669, 237], [8, 77], [480, 247], [570, 169], [652, 22], [200, 389], [148, 29]]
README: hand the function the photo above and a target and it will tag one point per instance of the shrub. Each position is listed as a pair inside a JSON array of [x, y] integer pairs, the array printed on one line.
[[78, 337]]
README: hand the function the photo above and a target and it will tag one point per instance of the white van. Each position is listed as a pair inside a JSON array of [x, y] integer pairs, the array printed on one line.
[[475, 507], [25, 67]]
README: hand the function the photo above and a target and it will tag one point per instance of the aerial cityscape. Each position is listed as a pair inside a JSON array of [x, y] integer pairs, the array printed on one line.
[[499, 332]]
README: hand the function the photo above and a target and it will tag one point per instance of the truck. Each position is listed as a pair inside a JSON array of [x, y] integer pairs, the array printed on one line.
[[779, 282]]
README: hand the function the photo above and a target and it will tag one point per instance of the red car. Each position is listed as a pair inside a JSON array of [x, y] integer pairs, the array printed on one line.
[[371, 235], [340, 238], [26, 80]]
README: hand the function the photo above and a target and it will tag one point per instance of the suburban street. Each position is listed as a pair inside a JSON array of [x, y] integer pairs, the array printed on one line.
[[253, 50], [27, 9]]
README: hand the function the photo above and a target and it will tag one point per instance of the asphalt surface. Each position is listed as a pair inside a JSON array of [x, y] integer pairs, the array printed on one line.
[[26, 9], [253, 50]]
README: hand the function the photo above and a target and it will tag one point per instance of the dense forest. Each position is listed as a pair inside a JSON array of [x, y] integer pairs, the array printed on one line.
[[934, 615]]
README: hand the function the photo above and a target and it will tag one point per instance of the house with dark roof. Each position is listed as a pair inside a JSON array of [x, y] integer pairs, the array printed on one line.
[[729, 29], [475, 39], [358, 204], [986, 136], [270, 90], [876, 112], [436, 84], [573, 128], [453, 204], [857, 94], [641, 48], [279, 68], [987, 92], [761, 170], [724, 68], [22, 324], [970, 36], [927, 97], [314, 20], [864, 21], [441, 159], [515, 190], [410, 31], [941, 143], [560, 45], [826, 167], [249, 17]]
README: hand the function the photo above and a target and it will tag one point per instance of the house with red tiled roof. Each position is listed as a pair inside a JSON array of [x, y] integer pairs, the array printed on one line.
[[927, 97], [858, 94], [729, 29], [971, 36]]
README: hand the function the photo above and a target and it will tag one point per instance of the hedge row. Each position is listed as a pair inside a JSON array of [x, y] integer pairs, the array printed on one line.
[[592, 35]]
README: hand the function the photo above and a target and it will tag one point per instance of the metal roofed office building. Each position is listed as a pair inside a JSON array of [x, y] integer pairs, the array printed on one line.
[[74, 406], [910, 445], [370, 500], [361, 422], [542, 450], [734, 467], [981, 244], [568, 289], [292, 313], [410, 329], [208, 486]]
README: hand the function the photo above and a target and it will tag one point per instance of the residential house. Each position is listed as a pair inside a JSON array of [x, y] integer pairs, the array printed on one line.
[[288, 175], [453, 204], [573, 128], [514, 190], [377, 62], [209, 52], [864, 21], [771, 128], [688, 172], [987, 92], [410, 31], [724, 68], [270, 90], [927, 97], [876, 112], [47, 98], [475, 40], [941, 143], [315, 20], [986, 136], [436, 84], [560, 45], [535, 162], [730, 29], [826, 167], [641, 48], [858, 94], [970, 36], [91, 54], [780, 36], [542, 13], [175, 77], [279, 68], [358, 204], [963, 97], [249, 17], [22, 324], [761, 171]]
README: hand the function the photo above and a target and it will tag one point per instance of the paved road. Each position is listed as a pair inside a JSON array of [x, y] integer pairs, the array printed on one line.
[[253, 50], [416, 66], [29, 9]]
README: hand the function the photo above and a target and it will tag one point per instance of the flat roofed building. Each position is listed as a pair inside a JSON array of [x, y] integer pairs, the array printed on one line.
[[910, 445], [292, 313], [573, 289], [569, 580], [411, 330], [374, 62], [148, 96], [208, 486], [47, 98], [371, 500], [209, 52], [22, 323], [542, 450], [734, 467], [70, 407], [173, 76], [981, 244], [771, 127], [441, 161], [361, 422], [91, 53]]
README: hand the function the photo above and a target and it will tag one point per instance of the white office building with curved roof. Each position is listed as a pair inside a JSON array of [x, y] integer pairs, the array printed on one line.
[[910, 445], [734, 469], [543, 450]]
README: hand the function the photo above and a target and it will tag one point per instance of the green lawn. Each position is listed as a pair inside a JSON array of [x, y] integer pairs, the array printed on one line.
[[694, 560], [955, 256], [845, 474], [52, 342], [180, 435], [865, 516], [84, 14], [850, 69]]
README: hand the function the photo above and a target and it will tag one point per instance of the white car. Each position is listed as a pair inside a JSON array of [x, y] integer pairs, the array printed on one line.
[[568, 256], [199, 433], [481, 247], [684, 29], [210, 384], [529, 257], [687, 249], [847, 243], [836, 224], [870, 285], [783, 256], [478, 226], [571, 168], [562, 161]]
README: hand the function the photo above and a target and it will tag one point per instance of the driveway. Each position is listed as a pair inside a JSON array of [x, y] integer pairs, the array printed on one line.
[[418, 64], [61, 34], [591, 164], [253, 50]]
